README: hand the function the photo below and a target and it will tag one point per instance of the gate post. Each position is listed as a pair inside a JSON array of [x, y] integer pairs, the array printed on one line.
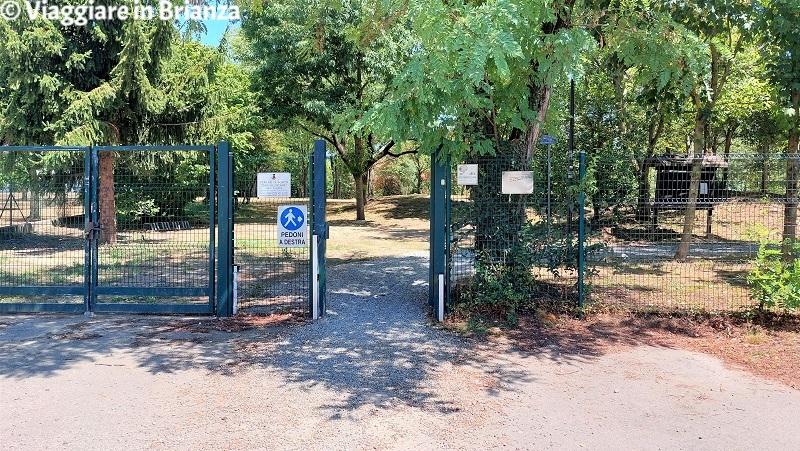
[[440, 183], [319, 230], [224, 230]]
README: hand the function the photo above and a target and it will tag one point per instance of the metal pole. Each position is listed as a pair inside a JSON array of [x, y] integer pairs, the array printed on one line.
[[581, 225], [441, 298], [548, 189], [224, 232], [571, 149], [235, 289], [320, 225]]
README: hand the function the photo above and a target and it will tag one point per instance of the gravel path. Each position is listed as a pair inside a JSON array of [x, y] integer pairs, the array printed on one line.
[[372, 374]]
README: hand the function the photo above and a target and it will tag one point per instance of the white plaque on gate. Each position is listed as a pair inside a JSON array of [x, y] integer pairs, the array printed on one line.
[[467, 174], [517, 182], [274, 184]]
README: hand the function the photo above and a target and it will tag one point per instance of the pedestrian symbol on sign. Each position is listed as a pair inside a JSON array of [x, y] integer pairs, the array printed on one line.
[[292, 218], [292, 226]]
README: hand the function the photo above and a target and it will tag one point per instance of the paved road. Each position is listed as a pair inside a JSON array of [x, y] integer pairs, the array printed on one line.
[[372, 374]]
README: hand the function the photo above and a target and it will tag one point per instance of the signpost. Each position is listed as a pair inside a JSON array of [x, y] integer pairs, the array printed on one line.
[[274, 184], [549, 140], [292, 230]]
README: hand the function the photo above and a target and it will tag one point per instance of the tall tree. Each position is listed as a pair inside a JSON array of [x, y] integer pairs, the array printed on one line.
[[82, 85], [320, 66], [781, 23], [481, 78], [113, 82], [723, 27]]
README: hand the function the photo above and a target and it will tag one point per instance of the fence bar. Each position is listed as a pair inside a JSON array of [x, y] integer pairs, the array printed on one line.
[[224, 221], [439, 233], [581, 226], [319, 226], [88, 182], [441, 298], [212, 223]]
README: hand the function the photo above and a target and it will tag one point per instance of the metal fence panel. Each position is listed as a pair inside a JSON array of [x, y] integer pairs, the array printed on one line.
[[163, 256], [44, 195], [635, 214], [639, 226], [270, 278], [489, 227]]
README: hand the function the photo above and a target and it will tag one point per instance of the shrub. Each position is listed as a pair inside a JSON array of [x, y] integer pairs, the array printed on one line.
[[775, 283]]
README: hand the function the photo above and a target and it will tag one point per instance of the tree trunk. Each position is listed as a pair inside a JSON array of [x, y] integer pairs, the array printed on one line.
[[655, 129], [764, 169], [694, 187], [304, 182], [643, 205], [361, 194], [370, 184], [792, 174], [106, 200], [35, 211], [337, 178]]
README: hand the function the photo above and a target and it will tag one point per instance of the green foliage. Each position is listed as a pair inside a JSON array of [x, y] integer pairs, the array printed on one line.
[[475, 78], [780, 24], [130, 210], [775, 282], [497, 289]]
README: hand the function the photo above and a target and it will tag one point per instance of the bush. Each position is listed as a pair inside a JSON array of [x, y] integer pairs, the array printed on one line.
[[498, 290], [775, 283]]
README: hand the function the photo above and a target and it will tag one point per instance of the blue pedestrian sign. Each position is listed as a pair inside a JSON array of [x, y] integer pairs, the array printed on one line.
[[292, 226], [547, 139]]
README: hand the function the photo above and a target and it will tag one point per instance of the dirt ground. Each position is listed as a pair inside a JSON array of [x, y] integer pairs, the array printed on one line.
[[767, 347], [144, 383], [613, 380]]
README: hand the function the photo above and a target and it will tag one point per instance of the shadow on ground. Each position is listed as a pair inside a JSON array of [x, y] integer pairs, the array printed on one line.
[[375, 347], [44, 345]]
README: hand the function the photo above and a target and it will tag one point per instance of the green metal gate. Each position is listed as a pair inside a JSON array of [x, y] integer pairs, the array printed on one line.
[[160, 258], [151, 229], [270, 278], [45, 203], [163, 258]]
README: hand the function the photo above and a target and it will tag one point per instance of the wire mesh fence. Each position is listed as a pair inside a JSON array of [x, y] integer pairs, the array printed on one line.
[[635, 220], [740, 204], [505, 245], [164, 235], [270, 278], [42, 194]]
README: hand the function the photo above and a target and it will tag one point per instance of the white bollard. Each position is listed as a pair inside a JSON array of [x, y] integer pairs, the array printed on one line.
[[441, 298], [235, 289], [314, 277]]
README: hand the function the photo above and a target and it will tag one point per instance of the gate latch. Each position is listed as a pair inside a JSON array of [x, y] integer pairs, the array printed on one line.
[[91, 230]]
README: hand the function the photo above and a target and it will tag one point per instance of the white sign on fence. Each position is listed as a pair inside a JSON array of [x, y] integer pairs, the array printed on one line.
[[517, 182], [292, 226], [467, 174], [274, 184]]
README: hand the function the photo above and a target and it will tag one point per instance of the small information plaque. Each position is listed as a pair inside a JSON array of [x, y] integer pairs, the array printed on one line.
[[467, 174], [274, 184], [517, 182]]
